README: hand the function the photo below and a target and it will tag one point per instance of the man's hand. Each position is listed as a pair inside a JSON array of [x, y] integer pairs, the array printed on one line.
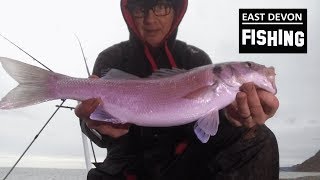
[[252, 106], [84, 110]]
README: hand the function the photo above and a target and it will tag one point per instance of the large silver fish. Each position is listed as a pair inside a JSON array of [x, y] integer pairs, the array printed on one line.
[[167, 98]]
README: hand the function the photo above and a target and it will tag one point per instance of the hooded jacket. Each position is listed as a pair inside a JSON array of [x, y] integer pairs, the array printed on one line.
[[145, 147], [156, 153]]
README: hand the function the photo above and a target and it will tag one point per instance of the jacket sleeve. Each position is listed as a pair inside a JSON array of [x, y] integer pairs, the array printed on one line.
[[106, 60]]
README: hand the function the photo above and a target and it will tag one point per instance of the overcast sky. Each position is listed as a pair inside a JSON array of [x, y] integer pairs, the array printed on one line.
[[46, 29]]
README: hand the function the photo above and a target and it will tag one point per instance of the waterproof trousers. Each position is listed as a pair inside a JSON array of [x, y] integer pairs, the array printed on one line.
[[233, 154]]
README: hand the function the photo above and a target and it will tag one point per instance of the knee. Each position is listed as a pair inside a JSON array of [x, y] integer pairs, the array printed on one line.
[[269, 142], [94, 174], [255, 157], [262, 139], [267, 137]]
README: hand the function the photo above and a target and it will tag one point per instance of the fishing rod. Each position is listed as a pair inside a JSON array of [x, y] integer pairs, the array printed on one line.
[[58, 106], [72, 108], [34, 139], [66, 107], [84, 57], [86, 64], [26, 53], [44, 126]]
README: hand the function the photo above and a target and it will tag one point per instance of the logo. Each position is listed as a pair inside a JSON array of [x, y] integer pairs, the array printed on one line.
[[272, 30]]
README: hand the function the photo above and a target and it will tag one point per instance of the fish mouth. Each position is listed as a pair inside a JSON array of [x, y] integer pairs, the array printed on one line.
[[270, 74]]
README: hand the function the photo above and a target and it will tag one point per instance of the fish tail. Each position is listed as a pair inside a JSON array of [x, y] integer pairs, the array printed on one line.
[[35, 84]]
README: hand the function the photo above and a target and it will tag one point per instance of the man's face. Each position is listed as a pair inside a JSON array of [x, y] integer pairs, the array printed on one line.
[[155, 23]]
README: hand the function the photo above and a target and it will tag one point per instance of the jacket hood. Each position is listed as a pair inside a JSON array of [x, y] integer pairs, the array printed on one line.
[[180, 7]]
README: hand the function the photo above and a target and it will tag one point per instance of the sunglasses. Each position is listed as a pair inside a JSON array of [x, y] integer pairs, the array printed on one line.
[[159, 9]]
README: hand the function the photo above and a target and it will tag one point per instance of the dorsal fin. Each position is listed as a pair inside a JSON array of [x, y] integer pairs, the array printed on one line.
[[161, 73], [118, 74]]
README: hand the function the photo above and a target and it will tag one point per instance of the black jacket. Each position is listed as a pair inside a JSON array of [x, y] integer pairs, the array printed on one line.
[[155, 144], [151, 152], [145, 146]]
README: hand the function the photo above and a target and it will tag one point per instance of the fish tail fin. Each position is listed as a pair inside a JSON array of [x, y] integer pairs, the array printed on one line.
[[34, 84]]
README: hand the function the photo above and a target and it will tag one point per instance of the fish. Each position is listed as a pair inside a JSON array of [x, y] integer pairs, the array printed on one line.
[[169, 97]]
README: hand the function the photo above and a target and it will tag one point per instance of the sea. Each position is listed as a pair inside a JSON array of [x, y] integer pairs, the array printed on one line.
[[43, 174], [80, 174]]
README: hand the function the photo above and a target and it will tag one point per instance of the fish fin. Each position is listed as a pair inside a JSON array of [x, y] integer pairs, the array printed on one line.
[[202, 92], [34, 84], [118, 74], [199, 93], [101, 115], [207, 126], [161, 73]]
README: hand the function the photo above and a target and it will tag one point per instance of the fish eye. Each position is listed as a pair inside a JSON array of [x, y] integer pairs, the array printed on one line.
[[249, 64], [217, 69]]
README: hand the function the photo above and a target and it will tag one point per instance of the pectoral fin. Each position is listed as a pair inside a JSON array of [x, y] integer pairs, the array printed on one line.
[[199, 93], [207, 126], [101, 115], [202, 93]]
